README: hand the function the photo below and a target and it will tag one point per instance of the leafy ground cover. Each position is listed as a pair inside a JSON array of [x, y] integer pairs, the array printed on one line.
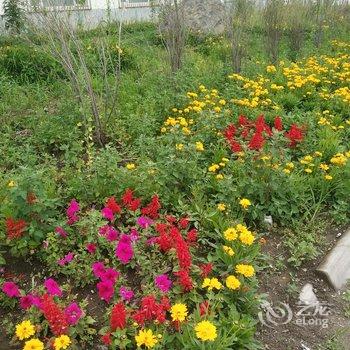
[[157, 239]]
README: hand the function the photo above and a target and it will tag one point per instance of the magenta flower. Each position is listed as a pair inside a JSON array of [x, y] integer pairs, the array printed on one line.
[[112, 234], [105, 290], [144, 221], [26, 302], [110, 275], [73, 313], [98, 269], [35, 300], [10, 289], [107, 214], [163, 283], [71, 212], [124, 251], [67, 259], [134, 235], [91, 248], [52, 287], [61, 231], [126, 294], [151, 240]]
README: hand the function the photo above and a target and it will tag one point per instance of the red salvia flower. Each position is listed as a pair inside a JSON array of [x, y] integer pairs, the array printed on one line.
[[242, 120], [235, 146], [183, 222], [192, 236], [129, 201], [230, 131], [151, 210], [54, 316], [257, 141], [204, 308], [106, 339], [184, 280], [118, 317], [206, 269], [15, 228], [278, 124], [113, 205], [295, 135], [261, 126]]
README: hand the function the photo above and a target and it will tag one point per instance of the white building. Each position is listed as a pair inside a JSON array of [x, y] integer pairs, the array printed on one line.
[[91, 12]]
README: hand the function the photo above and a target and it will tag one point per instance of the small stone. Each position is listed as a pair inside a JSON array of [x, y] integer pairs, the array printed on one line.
[[307, 295]]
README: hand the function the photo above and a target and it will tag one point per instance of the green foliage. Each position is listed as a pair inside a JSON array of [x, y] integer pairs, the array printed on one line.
[[13, 15]]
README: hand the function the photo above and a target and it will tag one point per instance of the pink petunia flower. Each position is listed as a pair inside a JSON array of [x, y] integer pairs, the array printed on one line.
[[144, 221], [71, 212], [52, 287], [73, 313], [107, 213], [124, 251], [110, 275], [134, 235], [10, 289], [67, 259], [105, 290], [163, 283], [98, 269], [112, 234], [26, 302], [91, 248], [61, 231], [126, 294]]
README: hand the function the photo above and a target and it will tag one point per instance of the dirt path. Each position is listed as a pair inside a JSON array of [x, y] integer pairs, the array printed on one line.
[[301, 332]]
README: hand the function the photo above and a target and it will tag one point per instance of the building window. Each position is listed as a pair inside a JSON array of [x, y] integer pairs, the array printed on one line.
[[135, 3], [59, 5]]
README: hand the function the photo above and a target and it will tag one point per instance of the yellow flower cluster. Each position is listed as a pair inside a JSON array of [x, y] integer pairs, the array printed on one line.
[[211, 283], [147, 338], [241, 232], [245, 270], [206, 331], [339, 159], [183, 118], [232, 282], [178, 312]]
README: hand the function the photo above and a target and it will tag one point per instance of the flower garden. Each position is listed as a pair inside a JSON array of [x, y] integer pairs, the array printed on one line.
[[155, 241]]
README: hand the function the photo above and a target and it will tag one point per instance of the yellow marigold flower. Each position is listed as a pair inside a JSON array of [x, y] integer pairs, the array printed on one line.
[[324, 167], [245, 203], [246, 238], [245, 270], [213, 168], [179, 146], [271, 69], [11, 184], [130, 166], [230, 234], [33, 344], [147, 338], [186, 131], [308, 170], [226, 160], [205, 331], [179, 312], [228, 250], [328, 177], [25, 330], [163, 130], [217, 109], [232, 282], [222, 164], [211, 283], [221, 207], [338, 159], [222, 102], [318, 154], [62, 342], [199, 146], [347, 154], [287, 171], [219, 177], [290, 165]]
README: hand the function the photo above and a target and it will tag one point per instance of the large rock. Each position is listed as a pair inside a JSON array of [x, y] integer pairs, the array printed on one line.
[[207, 16]]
